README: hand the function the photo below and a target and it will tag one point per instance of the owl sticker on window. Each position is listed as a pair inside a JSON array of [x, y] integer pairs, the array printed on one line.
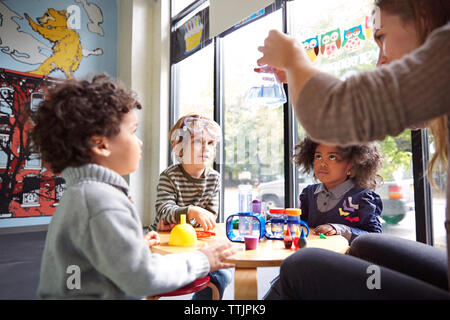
[[312, 48], [353, 39], [330, 43]]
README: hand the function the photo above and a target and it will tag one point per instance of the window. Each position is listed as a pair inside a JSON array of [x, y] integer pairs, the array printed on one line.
[[180, 5], [194, 86], [338, 39], [213, 79], [254, 146]]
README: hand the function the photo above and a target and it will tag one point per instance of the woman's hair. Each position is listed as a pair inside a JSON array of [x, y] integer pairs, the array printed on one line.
[[73, 112], [366, 159], [427, 15]]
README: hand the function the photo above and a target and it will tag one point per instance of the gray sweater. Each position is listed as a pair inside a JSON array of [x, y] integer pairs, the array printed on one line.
[[97, 234], [371, 105]]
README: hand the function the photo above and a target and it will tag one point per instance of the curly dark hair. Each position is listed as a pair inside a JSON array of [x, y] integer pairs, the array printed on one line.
[[72, 113], [366, 158]]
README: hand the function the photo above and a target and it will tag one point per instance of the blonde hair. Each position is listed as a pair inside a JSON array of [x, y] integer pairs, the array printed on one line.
[[438, 128]]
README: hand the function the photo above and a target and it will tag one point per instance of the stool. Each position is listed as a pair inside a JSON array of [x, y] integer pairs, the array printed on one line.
[[195, 286]]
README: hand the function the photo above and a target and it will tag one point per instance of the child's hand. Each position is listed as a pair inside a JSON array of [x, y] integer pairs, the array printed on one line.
[[152, 238], [205, 218], [216, 254], [163, 226], [326, 229]]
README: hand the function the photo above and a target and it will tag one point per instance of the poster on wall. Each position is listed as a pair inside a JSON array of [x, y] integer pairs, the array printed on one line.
[[42, 43], [191, 36]]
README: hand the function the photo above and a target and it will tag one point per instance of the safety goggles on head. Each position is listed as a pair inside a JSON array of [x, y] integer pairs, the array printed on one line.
[[197, 126]]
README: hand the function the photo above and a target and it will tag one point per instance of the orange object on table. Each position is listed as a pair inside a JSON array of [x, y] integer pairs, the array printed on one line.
[[204, 234]]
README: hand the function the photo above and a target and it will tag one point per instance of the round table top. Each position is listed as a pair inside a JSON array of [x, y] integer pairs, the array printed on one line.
[[269, 253]]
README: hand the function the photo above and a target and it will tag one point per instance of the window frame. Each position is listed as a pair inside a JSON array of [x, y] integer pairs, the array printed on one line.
[[419, 138]]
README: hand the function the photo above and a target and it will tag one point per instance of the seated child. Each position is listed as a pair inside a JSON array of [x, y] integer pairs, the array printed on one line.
[[191, 186], [344, 202], [95, 246]]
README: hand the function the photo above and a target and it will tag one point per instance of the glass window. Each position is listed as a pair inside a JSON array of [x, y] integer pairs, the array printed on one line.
[[438, 199], [254, 143], [179, 5], [338, 39], [194, 85]]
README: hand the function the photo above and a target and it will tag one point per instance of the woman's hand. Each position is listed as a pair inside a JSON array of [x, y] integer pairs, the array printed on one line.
[[280, 74], [281, 51], [290, 61]]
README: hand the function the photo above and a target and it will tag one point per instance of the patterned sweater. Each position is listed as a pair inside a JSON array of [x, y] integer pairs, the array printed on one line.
[[177, 191]]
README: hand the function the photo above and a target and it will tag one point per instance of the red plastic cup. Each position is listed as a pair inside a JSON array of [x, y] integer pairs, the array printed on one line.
[[251, 242]]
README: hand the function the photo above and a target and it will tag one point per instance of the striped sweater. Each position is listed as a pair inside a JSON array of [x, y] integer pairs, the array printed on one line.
[[177, 191]]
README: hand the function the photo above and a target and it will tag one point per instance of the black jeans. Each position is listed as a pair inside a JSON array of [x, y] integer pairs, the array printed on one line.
[[376, 267]]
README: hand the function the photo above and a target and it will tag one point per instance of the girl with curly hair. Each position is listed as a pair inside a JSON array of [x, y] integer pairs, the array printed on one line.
[[344, 202]]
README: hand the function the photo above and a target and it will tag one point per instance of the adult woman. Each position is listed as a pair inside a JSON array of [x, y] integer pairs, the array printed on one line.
[[412, 90]]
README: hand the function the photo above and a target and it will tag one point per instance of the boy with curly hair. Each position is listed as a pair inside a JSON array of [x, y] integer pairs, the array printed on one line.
[[87, 131]]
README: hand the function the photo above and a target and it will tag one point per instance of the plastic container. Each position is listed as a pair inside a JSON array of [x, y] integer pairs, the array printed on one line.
[[245, 194], [251, 242], [267, 89], [293, 218], [249, 224], [275, 223]]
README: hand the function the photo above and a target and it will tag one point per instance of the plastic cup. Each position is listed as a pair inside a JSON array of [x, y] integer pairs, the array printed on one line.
[[251, 242]]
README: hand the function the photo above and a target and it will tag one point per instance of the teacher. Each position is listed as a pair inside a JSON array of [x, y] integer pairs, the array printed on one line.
[[410, 89]]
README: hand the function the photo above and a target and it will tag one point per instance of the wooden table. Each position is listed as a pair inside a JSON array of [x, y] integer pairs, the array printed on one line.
[[270, 253]]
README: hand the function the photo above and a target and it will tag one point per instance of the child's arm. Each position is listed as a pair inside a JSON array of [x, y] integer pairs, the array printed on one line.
[[364, 219]]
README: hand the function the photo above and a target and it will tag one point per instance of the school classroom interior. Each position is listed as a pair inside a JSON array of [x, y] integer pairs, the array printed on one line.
[[182, 56]]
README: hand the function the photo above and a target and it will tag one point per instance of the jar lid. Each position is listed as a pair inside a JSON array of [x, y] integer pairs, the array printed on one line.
[[293, 211], [277, 210]]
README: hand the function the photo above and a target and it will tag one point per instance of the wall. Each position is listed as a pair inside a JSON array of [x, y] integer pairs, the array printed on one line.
[[144, 66]]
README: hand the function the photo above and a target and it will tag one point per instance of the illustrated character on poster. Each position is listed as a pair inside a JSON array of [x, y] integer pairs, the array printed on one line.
[[67, 52], [330, 43], [353, 39], [193, 30], [312, 48]]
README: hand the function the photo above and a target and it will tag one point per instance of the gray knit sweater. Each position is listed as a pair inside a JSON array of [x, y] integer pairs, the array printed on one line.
[[97, 234], [371, 105]]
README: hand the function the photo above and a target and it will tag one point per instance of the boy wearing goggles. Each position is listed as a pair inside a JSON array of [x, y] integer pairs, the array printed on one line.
[[190, 186]]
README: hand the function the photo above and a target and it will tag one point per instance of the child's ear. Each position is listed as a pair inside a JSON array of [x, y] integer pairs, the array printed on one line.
[[100, 146], [177, 148]]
